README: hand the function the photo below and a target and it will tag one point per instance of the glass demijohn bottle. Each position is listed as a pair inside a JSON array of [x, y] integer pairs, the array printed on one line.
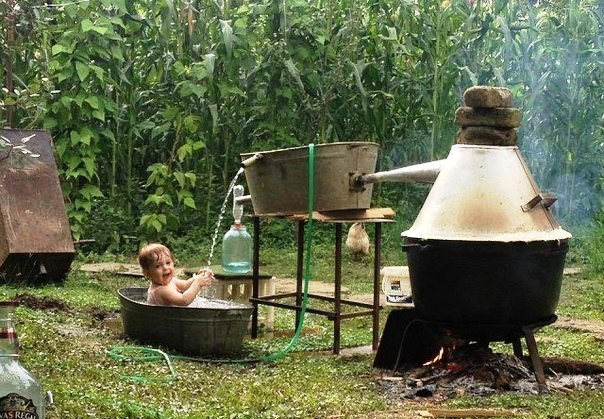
[[237, 250], [237, 242], [20, 394]]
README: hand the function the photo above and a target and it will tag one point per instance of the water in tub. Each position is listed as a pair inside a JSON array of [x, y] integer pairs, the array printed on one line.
[[204, 302]]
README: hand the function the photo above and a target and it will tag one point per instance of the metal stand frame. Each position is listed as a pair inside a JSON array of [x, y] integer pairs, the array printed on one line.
[[336, 314]]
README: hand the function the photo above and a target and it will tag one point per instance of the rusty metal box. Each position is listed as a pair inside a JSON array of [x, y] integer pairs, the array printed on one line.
[[35, 237]]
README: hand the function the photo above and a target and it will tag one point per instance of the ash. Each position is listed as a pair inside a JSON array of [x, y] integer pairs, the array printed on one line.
[[480, 372]]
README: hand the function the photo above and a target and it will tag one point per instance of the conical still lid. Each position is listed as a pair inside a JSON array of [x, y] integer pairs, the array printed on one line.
[[485, 193]]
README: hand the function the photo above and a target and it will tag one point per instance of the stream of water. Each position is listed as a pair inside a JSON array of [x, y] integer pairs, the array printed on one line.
[[221, 214]]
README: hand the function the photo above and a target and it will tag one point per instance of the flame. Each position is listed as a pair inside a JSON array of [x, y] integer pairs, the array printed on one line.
[[437, 358]]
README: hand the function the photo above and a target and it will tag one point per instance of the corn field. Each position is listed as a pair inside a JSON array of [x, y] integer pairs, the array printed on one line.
[[150, 103]]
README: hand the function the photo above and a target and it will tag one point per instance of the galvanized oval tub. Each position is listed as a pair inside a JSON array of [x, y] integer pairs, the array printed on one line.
[[217, 329], [278, 179]]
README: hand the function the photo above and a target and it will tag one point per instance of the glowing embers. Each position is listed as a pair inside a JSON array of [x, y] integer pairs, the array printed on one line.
[[437, 358], [445, 356]]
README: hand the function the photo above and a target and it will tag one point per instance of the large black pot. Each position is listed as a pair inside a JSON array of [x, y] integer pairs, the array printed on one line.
[[485, 283]]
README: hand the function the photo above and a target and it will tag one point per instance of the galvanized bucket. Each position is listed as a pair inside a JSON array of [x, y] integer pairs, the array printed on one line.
[[278, 179], [189, 330]]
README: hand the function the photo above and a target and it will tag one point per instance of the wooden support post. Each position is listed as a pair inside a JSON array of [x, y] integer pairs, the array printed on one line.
[[517, 346], [535, 359]]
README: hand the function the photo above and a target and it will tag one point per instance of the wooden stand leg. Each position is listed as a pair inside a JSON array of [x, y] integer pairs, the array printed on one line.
[[236, 291], [247, 289], [534, 353], [270, 311], [517, 346]]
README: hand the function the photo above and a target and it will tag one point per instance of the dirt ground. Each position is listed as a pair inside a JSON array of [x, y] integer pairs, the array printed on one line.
[[594, 327]]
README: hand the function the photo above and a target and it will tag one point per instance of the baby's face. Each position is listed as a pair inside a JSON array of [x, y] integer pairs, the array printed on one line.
[[162, 270]]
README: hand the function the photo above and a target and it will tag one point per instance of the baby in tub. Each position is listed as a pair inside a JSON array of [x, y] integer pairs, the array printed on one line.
[[157, 264]]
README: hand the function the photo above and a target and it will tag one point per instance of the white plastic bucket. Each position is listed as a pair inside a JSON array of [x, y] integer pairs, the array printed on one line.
[[396, 285]]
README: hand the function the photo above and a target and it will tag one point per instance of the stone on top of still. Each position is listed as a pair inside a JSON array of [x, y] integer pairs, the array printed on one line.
[[503, 118], [488, 97]]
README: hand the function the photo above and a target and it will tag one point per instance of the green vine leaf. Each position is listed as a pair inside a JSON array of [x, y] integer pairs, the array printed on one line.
[[93, 101], [189, 202], [82, 70], [88, 26]]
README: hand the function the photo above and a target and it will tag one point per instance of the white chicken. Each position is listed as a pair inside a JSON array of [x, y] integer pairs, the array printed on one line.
[[357, 241]]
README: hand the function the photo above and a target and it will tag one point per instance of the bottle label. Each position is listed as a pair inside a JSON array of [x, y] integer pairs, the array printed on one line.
[[15, 406], [9, 334]]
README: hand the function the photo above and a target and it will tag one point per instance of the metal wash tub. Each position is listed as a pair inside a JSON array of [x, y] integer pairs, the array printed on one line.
[[278, 179], [189, 330]]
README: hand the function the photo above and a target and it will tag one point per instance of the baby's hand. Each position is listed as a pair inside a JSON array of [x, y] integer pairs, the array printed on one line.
[[204, 277], [206, 273]]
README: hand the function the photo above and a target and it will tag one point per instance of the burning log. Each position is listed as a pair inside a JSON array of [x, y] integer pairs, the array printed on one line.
[[559, 365]]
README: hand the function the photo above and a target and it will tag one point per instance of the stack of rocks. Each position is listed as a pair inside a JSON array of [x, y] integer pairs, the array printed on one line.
[[488, 117]]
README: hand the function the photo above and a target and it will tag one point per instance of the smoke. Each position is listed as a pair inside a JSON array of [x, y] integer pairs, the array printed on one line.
[[561, 94], [573, 174]]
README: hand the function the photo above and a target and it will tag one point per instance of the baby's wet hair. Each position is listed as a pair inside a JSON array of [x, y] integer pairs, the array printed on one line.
[[151, 253]]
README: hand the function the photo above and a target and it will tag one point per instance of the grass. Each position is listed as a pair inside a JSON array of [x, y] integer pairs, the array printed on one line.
[[66, 350], [582, 298]]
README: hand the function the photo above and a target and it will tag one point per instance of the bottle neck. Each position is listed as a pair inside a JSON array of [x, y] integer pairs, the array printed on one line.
[[9, 343]]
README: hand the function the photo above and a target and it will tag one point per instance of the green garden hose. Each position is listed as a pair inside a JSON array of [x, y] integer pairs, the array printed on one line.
[[150, 354]]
